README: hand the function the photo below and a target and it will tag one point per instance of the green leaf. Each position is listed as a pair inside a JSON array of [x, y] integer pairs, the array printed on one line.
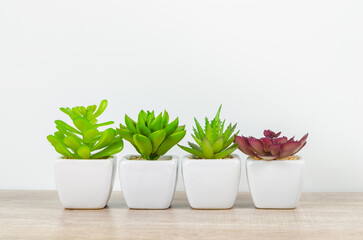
[[165, 119], [226, 152], [53, 140], [171, 127], [61, 148], [131, 124], [218, 112], [229, 141], [197, 140], [106, 138], [65, 132], [109, 151], [229, 131], [82, 110], [179, 129], [72, 142], [82, 124], [199, 128], [104, 124], [142, 129], [77, 111], [157, 123], [207, 148], [69, 112], [150, 118], [66, 126], [126, 134], [101, 108], [142, 117], [218, 145], [194, 146], [208, 133], [143, 144], [170, 141], [192, 151], [157, 138], [90, 135], [84, 152]]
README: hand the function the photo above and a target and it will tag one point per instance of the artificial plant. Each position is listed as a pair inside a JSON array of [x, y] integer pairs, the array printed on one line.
[[213, 142], [270, 147], [85, 140], [152, 136]]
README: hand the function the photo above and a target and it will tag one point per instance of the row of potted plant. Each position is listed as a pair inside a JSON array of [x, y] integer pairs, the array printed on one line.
[[85, 173]]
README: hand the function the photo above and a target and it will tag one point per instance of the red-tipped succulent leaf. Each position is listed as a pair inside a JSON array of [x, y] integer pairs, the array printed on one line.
[[271, 146]]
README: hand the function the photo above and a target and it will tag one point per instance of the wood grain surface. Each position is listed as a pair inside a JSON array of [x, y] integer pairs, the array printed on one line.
[[39, 215]]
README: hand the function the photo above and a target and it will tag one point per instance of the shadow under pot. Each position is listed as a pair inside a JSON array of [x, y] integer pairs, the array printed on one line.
[[211, 183], [85, 183], [275, 183], [148, 184]]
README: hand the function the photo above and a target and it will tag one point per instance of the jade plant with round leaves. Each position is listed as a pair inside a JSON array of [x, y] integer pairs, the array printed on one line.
[[270, 147], [152, 136], [213, 141], [85, 140]]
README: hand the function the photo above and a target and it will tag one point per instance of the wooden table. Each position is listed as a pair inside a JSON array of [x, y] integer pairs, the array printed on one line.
[[39, 215]]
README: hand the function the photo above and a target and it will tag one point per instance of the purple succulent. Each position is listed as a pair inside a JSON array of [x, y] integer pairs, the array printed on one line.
[[271, 146]]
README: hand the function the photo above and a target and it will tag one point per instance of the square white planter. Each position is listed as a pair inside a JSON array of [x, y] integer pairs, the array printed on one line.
[[211, 183], [85, 184], [148, 184], [276, 183]]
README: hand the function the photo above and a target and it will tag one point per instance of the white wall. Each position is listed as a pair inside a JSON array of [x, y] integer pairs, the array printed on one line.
[[295, 66]]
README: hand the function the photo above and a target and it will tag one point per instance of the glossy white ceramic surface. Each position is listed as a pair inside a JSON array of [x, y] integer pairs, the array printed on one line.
[[85, 183], [211, 183], [275, 184], [148, 184]]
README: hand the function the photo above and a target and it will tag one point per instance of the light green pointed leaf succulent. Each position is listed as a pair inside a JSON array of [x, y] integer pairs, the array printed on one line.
[[212, 142], [152, 136], [85, 141]]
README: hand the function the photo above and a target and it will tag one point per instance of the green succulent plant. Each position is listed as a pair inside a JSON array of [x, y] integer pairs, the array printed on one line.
[[85, 141], [152, 136], [212, 141]]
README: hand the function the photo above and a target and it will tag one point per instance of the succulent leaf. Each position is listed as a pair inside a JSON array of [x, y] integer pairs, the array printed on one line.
[[171, 127], [106, 138], [131, 124], [213, 142], [207, 148], [157, 138], [82, 123], [101, 108], [165, 119], [225, 153], [81, 141], [270, 147], [144, 145], [170, 142], [84, 152], [192, 151], [109, 151]]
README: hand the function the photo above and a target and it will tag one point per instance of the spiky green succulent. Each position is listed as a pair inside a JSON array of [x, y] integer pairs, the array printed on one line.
[[152, 136], [85, 141], [212, 141]]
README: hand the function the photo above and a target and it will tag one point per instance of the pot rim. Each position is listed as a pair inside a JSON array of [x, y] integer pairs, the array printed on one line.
[[234, 157], [127, 158], [112, 157], [249, 158]]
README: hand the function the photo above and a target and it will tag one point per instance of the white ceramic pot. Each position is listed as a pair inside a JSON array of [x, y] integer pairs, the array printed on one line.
[[211, 183], [148, 184], [276, 183], [85, 184]]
